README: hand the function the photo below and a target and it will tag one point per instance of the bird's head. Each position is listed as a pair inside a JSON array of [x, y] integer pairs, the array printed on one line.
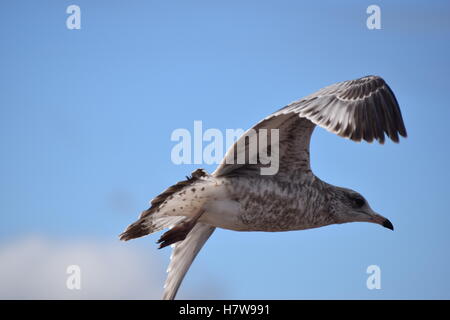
[[350, 206]]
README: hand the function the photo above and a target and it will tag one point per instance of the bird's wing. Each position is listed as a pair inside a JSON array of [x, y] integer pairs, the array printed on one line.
[[183, 254], [361, 109]]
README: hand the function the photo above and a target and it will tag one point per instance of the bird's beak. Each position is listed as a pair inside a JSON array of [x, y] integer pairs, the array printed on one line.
[[388, 224], [379, 219]]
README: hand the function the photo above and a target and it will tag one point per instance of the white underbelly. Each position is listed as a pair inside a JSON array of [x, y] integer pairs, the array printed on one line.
[[223, 214]]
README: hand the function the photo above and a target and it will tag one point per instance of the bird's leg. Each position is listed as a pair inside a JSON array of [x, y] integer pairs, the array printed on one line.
[[180, 231]]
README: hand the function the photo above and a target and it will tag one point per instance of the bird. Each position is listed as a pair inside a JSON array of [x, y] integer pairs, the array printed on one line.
[[237, 196]]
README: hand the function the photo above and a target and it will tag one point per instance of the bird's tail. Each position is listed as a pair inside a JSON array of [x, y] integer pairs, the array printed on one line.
[[155, 218], [148, 225]]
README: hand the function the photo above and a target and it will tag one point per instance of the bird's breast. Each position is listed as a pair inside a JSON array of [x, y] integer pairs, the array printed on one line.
[[266, 205]]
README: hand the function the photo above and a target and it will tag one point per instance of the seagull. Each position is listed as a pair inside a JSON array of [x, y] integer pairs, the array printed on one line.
[[236, 196]]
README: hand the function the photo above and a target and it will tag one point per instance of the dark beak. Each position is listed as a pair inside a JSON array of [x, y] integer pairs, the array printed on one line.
[[388, 224]]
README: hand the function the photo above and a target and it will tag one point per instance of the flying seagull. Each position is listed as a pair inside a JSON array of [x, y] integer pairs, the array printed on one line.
[[236, 196]]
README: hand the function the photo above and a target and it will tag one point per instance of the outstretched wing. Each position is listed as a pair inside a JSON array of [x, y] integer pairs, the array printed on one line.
[[361, 109], [183, 254]]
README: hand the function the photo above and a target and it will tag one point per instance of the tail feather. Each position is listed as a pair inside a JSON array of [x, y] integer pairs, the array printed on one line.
[[155, 219], [175, 234], [133, 231], [148, 225]]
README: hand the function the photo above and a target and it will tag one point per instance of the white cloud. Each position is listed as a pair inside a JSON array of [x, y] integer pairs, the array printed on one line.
[[35, 268]]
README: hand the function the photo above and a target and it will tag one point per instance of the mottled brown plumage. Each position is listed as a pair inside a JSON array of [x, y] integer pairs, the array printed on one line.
[[139, 228]]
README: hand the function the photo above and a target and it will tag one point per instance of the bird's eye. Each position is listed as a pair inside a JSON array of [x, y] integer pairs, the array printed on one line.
[[359, 202]]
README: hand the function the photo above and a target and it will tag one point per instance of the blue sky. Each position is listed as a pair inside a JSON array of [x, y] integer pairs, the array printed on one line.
[[86, 117]]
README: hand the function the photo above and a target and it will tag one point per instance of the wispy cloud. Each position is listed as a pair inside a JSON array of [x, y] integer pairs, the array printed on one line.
[[35, 268]]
